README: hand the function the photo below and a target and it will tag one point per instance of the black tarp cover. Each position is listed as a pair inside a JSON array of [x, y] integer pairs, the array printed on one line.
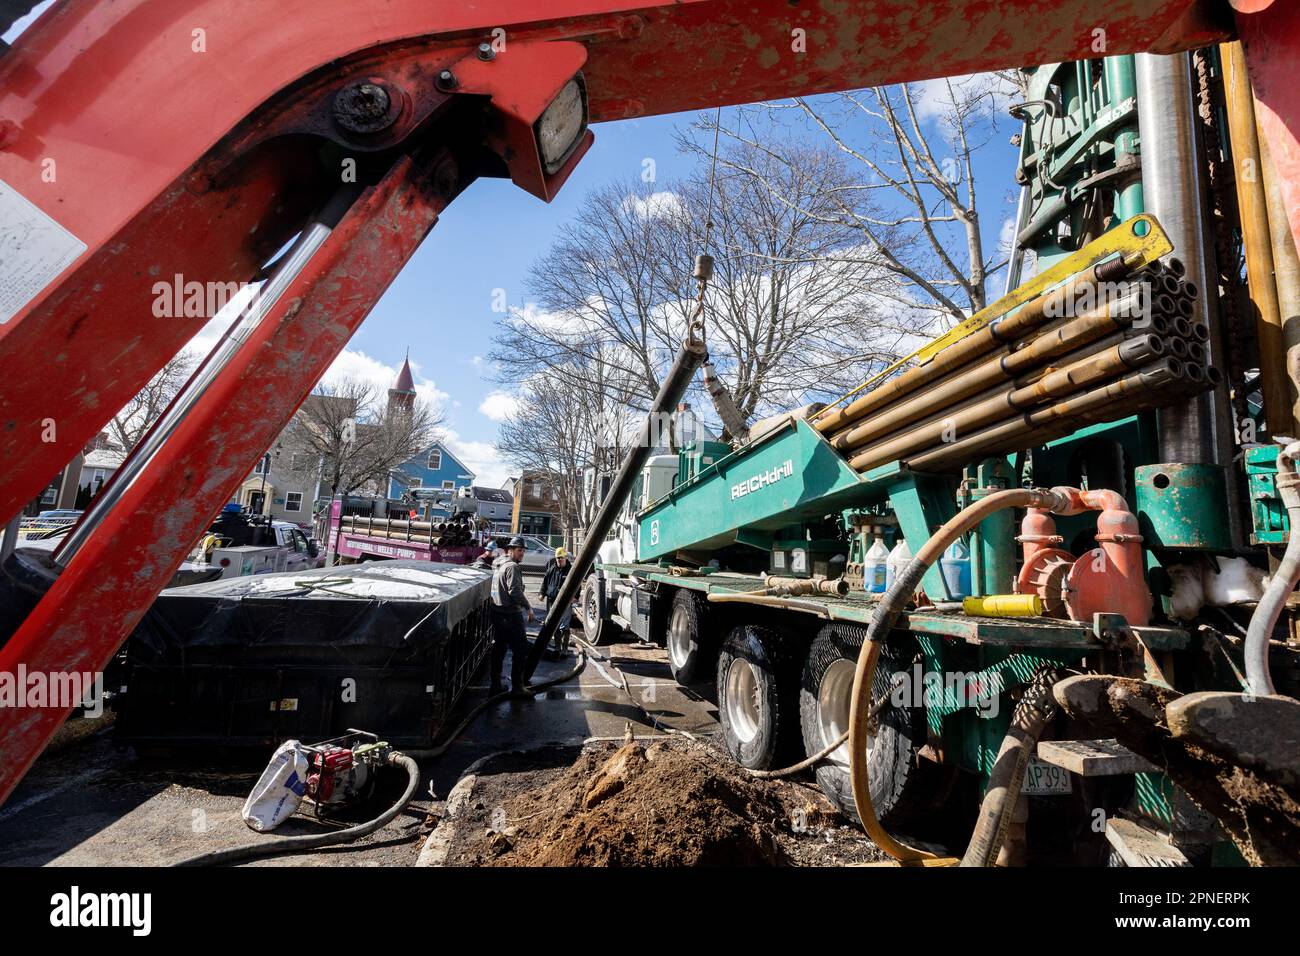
[[383, 612]]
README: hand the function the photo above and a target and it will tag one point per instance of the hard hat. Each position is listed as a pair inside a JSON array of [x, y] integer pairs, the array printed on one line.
[[491, 545], [516, 542], [560, 552]]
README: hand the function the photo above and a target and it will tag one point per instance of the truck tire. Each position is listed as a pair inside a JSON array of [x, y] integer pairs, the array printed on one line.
[[595, 629], [687, 648], [758, 697], [899, 784]]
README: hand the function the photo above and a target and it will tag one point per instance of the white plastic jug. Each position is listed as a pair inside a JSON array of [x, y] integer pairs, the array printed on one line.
[[899, 558], [873, 567]]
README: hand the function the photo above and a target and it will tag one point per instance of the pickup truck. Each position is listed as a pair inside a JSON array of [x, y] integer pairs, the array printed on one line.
[[281, 546]]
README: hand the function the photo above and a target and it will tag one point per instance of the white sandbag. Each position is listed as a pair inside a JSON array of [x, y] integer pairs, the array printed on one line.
[[1236, 582], [279, 790]]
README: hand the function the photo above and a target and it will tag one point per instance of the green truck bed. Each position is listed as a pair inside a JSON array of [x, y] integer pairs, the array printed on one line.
[[1025, 632]]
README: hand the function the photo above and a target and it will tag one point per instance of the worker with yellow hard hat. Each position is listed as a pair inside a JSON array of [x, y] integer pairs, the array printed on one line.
[[557, 569]]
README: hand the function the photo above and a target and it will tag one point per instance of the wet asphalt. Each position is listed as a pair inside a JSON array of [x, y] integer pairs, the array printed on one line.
[[91, 803]]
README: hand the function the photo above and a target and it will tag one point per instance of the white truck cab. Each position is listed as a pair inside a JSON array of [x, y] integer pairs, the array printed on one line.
[[292, 551]]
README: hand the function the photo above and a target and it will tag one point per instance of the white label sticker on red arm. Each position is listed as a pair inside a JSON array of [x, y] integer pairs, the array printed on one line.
[[34, 249]]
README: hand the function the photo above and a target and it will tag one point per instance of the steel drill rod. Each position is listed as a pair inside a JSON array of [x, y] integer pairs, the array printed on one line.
[[1031, 352], [935, 414], [1031, 315], [1172, 346], [1061, 382], [675, 383], [1113, 400], [1053, 340], [1093, 349]]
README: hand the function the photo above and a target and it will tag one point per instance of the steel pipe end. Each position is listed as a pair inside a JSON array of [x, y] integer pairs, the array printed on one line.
[[1162, 373], [1141, 349]]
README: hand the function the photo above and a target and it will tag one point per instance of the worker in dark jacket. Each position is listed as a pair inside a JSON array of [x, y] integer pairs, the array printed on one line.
[[487, 560], [511, 614], [557, 569]]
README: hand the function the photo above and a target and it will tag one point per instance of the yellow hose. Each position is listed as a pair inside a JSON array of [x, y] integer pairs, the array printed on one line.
[[1056, 500], [859, 717]]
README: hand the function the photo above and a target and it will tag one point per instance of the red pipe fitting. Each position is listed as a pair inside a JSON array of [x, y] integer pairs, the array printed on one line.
[[1037, 532], [1108, 579]]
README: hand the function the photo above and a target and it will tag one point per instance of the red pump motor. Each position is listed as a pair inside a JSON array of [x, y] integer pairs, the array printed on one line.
[[1108, 579]]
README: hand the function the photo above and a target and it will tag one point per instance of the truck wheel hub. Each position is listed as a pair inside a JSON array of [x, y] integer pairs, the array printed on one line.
[[679, 638], [833, 699], [743, 708]]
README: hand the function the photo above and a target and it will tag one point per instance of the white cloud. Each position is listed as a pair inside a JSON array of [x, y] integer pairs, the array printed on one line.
[[1007, 237], [934, 100], [661, 203], [499, 406], [481, 457]]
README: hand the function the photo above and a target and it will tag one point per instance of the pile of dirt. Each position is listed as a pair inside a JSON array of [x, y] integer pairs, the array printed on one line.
[[673, 803]]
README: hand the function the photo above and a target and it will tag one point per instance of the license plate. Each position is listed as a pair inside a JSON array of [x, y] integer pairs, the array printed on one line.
[[1042, 778]]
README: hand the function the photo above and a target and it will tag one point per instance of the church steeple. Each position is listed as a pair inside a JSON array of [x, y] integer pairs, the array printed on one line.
[[402, 394]]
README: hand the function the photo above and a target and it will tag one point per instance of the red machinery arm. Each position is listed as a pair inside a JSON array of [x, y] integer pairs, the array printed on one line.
[[167, 138], [150, 112]]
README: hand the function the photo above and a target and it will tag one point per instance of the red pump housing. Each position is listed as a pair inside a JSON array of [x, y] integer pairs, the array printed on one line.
[[1107, 579]]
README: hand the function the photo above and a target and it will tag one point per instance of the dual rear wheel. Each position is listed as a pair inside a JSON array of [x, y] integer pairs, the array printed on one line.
[[780, 699]]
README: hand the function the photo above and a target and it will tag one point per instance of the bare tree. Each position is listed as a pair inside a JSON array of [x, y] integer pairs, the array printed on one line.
[[565, 431], [915, 200], [129, 425], [605, 298], [796, 308], [360, 439], [832, 257]]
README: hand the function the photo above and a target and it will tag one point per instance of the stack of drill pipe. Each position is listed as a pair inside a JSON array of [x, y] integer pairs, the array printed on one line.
[[1119, 356], [1032, 315]]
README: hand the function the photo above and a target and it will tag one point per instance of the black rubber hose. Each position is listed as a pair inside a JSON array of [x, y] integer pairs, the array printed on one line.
[[1033, 712], [300, 844]]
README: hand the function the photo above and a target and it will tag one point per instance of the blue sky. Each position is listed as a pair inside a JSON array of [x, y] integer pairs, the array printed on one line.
[[440, 307], [442, 303]]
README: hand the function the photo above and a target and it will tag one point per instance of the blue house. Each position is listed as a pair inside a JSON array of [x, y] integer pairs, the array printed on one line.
[[434, 468]]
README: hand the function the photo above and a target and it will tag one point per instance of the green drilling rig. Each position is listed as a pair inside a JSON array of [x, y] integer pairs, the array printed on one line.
[[1036, 574]]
